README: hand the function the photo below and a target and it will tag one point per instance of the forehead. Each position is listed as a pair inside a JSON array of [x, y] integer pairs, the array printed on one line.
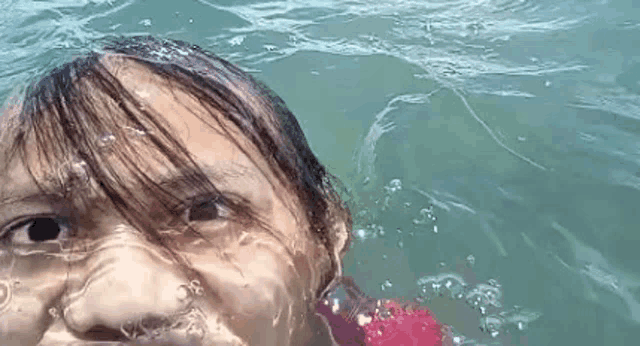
[[222, 148], [208, 138]]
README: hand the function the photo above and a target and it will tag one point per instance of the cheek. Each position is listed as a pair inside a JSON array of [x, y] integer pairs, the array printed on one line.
[[255, 272]]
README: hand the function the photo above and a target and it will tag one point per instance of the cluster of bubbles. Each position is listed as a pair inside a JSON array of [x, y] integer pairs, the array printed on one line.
[[483, 297]]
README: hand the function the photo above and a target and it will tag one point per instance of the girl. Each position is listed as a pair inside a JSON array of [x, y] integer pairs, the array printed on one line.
[[152, 193]]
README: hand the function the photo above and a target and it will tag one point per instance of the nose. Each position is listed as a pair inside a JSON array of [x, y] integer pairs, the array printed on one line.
[[125, 284]]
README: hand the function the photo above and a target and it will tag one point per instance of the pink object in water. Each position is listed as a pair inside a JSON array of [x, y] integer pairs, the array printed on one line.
[[404, 326]]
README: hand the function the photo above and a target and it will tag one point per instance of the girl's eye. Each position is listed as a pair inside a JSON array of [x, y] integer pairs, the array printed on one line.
[[38, 230], [207, 210]]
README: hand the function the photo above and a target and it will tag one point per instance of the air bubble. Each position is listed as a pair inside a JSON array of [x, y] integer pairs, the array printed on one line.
[[446, 283], [394, 185], [195, 331], [135, 131], [471, 260], [386, 284], [106, 141], [77, 172], [426, 216], [183, 293], [54, 313], [196, 288], [486, 295], [128, 329], [5, 294]]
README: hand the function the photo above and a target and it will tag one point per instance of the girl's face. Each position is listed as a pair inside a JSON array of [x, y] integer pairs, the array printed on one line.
[[111, 283]]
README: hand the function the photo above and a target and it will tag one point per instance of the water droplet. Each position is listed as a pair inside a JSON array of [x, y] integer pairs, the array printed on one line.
[[196, 287], [435, 228], [394, 185], [386, 284], [53, 312], [4, 294], [184, 293], [471, 260], [547, 83], [128, 328], [135, 131], [195, 331], [400, 244], [384, 256], [106, 141], [190, 20]]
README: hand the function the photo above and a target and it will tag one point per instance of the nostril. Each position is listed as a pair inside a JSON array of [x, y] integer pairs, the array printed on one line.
[[102, 333]]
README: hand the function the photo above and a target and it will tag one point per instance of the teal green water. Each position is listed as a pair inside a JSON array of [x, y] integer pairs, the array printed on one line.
[[491, 146]]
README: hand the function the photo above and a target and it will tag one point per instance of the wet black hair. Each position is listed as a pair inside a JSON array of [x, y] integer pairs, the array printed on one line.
[[63, 114]]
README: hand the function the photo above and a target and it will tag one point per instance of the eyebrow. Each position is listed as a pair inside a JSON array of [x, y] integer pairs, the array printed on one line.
[[172, 180], [33, 197]]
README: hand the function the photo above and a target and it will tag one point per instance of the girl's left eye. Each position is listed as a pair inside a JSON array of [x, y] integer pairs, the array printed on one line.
[[206, 210], [38, 230]]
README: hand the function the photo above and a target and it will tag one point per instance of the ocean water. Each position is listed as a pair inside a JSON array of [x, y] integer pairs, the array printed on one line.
[[491, 148]]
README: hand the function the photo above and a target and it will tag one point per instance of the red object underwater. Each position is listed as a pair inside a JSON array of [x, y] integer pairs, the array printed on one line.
[[393, 325]]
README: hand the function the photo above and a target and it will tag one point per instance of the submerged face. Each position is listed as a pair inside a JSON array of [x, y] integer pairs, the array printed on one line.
[[104, 280]]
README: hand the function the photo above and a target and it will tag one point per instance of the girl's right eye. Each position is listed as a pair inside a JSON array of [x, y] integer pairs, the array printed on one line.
[[38, 230]]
